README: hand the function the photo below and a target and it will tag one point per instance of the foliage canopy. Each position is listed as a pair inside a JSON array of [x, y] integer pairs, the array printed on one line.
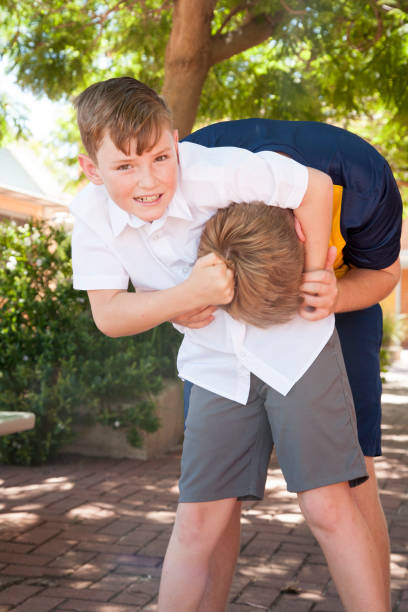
[[342, 61]]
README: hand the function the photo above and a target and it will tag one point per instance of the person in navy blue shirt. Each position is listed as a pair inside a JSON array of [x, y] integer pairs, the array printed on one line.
[[367, 217]]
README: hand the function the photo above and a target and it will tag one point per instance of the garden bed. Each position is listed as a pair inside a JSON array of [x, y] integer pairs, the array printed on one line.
[[98, 440]]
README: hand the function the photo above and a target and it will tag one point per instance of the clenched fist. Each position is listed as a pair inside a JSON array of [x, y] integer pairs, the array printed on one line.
[[211, 282]]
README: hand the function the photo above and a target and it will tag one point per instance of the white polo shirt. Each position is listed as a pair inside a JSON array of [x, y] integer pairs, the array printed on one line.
[[110, 246]]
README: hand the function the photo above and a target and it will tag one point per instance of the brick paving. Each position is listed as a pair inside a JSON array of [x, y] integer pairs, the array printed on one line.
[[89, 535]]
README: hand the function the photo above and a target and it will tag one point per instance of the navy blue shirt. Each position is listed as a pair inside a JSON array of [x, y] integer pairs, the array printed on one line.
[[371, 208]]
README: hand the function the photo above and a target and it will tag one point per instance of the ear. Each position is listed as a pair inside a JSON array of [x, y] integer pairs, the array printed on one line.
[[90, 169], [176, 141], [299, 230]]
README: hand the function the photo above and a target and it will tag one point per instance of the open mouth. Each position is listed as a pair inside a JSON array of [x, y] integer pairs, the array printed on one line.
[[148, 200]]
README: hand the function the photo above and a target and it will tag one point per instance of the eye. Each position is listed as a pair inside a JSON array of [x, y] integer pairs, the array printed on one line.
[[123, 167], [162, 157]]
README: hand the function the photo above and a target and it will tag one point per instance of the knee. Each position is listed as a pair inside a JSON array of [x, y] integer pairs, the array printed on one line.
[[192, 526], [325, 509]]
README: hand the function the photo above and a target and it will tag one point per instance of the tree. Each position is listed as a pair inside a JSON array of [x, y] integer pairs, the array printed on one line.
[[212, 59]]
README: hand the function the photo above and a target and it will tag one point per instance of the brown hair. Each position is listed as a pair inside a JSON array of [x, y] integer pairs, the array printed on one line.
[[259, 243], [124, 108]]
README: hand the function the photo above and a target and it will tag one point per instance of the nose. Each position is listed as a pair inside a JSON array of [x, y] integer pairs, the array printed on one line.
[[146, 179]]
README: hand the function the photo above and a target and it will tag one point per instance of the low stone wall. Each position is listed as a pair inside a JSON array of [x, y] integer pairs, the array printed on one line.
[[104, 441]]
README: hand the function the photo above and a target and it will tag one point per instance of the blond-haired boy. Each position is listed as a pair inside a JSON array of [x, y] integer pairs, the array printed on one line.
[[260, 245], [141, 218]]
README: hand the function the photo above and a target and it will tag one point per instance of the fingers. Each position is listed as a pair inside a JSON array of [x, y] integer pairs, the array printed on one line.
[[202, 317], [313, 315], [195, 319], [211, 259], [201, 323], [313, 288], [211, 281], [318, 276], [316, 301]]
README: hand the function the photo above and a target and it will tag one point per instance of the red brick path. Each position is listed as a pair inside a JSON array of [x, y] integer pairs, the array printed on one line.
[[90, 535]]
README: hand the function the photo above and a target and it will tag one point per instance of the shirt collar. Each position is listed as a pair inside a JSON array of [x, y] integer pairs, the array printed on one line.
[[119, 218]]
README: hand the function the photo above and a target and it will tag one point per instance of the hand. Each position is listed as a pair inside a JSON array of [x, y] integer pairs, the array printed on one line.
[[211, 282], [319, 290], [195, 319]]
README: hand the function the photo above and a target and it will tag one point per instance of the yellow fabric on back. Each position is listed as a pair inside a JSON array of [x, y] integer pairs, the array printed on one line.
[[336, 238]]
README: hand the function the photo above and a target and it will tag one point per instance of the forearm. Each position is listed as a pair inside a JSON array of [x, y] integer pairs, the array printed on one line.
[[126, 314], [315, 217], [361, 288], [120, 313]]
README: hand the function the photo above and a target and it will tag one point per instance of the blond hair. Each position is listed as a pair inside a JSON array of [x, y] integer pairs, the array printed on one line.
[[124, 108], [259, 243]]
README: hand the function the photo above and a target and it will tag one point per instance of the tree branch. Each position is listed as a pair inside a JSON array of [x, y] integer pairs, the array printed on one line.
[[252, 33], [291, 10], [228, 18], [241, 7]]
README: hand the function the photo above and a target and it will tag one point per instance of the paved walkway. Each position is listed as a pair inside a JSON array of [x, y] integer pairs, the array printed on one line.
[[89, 535]]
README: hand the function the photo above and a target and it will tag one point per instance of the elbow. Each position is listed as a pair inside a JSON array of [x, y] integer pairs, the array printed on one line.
[[325, 182], [105, 326], [319, 182], [106, 330], [395, 271]]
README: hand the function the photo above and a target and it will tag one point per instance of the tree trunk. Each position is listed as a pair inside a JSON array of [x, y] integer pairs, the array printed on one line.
[[187, 60], [192, 50]]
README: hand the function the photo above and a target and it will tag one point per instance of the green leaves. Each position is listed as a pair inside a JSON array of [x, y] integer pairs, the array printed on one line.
[[53, 360], [327, 61]]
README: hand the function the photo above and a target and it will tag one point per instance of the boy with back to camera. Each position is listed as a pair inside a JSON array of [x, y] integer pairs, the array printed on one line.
[[366, 229], [141, 218]]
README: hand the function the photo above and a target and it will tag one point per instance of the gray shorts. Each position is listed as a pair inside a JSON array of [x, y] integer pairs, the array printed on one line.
[[227, 445]]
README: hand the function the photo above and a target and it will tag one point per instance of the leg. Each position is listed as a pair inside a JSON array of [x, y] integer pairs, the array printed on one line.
[[360, 335], [222, 565], [368, 501], [224, 558], [224, 457], [348, 546], [195, 535], [315, 433]]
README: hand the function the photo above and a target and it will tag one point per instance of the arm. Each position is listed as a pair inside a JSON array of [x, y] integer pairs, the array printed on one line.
[[359, 288], [315, 216], [120, 313]]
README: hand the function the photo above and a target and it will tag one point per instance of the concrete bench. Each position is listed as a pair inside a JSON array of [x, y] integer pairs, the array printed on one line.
[[13, 422]]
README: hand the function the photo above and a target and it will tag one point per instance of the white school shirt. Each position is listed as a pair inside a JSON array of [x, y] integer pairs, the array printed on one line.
[[110, 246]]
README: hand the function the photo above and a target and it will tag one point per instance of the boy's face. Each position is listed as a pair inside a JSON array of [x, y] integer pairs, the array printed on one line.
[[143, 185]]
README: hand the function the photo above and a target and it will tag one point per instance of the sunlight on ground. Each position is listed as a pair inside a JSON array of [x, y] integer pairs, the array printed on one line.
[[291, 519], [90, 511], [396, 438], [388, 398], [20, 491], [161, 517], [18, 519]]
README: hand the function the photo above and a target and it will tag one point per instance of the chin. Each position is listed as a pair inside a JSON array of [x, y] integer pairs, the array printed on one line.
[[153, 216]]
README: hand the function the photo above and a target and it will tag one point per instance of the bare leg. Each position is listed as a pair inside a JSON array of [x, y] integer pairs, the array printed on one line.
[[196, 533], [348, 546], [222, 565], [368, 501]]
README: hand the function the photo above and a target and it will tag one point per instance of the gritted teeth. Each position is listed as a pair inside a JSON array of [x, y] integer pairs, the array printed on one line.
[[151, 198]]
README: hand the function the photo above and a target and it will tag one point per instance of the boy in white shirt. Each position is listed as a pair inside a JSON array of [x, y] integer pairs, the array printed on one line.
[[141, 218]]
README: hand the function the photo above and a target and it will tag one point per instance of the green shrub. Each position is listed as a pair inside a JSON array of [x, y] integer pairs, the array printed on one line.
[[53, 360], [404, 330]]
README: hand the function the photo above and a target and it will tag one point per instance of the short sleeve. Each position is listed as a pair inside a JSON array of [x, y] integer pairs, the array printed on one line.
[[94, 265], [372, 224], [215, 177]]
